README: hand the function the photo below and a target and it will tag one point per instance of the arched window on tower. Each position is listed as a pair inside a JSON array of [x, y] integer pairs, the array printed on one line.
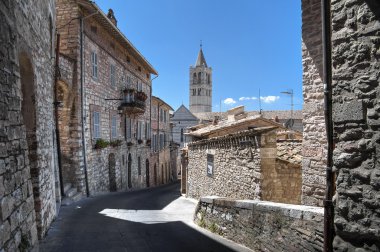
[[199, 91], [208, 79], [199, 77], [194, 78]]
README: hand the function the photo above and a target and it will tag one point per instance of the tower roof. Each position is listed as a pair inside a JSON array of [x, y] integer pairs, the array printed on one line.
[[201, 59]]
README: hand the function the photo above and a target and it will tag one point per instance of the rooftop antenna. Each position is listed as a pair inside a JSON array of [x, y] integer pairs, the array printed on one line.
[[259, 103], [290, 92]]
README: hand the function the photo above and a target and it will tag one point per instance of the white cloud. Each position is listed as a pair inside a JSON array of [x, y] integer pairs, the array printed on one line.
[[229, 101], [247, 98], [269, 98]]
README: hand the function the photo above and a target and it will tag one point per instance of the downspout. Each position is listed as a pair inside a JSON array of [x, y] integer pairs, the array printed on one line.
[[327, 80], [56, 115], [82, 107]]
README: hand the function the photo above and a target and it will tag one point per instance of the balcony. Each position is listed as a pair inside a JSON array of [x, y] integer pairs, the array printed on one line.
[[133, 102]]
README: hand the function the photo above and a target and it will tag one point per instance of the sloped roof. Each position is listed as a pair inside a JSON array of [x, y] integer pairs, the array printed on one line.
[[227, 126], [183, 114], [271, 114], [201, 61], [159, 100]]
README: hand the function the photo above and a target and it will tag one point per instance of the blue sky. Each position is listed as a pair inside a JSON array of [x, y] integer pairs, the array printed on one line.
[[250, 45]]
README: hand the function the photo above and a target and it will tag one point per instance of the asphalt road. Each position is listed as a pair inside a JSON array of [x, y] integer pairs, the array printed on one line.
[[154, 219]]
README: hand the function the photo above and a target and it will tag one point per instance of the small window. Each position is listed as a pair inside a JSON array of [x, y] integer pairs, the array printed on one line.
[[139, 68], [199, 91], [194, 78], [95, 125], [199, 77], [94, 29], [94, 62], [139, 85], [164, 116], [113, 75], [194, 92], [147, 76], [208, 79], [128, 59], [114, 127], [139, 130], [181, 135]]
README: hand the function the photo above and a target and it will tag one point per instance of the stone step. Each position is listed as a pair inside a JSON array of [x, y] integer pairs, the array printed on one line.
[[66, 187], [71, 192]]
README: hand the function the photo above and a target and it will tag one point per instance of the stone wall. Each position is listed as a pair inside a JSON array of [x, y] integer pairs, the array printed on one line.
[[284, 181], [314, 136], [237, 171], [261, 225], [356, 78], [27, 147]]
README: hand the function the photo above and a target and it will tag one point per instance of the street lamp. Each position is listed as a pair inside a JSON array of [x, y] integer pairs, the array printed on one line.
[[291, 121]]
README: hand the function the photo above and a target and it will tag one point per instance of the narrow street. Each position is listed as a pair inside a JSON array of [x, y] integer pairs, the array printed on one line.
[[154, 219]]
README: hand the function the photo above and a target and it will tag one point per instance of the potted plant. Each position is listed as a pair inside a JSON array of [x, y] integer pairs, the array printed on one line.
[[116, 143], [101, 143]]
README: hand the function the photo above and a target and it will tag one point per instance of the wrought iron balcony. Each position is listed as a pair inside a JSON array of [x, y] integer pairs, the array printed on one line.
[[133, 102]]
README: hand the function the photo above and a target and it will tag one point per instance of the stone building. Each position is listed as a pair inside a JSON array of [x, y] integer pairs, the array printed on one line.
[[355, 104], [161, 142], [200, 86], [28, 157], [252, 158], [106, 88], [182, 120]]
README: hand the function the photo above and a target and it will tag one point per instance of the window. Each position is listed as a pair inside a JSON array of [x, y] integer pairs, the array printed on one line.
[[139, 127], [161, 141], [139, 85], [147, 130], [128, 59], [113, 75], [194, 78], [94, 63], [199, 77], [143, 130], [154, 144], [139, 165], [181, 135], [139, 68], [161, 115], [199, 91], [113, 127], [95, 125], [208, 79], [129, 128], [164, 111], [194, 92]]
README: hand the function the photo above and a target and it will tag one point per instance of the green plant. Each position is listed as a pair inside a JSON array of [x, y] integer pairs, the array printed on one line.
[[101, 144], [116, 143]]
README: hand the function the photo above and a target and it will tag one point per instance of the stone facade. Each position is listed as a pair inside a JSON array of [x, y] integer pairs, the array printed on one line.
[[261, 225], [314, 140], [182, 119], [116, 133], [238, 161], [356, 79], [28, 164], [161, 142], [200, 86]]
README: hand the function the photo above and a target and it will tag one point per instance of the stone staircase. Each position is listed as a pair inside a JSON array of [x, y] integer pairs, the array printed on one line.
[[71, 195]]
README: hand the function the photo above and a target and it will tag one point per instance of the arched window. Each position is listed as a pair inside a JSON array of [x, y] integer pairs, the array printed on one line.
[[194, 78], [199, 77], [199, 91], [181, 135], [208, 79]]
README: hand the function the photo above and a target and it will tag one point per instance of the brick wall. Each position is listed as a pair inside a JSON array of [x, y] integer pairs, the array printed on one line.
[[356, 64], [314, 136], [27, 147]]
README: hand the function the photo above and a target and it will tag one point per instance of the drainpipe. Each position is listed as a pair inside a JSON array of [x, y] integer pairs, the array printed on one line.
[[56, 115], [327, 80]]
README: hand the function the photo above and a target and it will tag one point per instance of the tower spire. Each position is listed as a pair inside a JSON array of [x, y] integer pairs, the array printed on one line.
[[201, 61]]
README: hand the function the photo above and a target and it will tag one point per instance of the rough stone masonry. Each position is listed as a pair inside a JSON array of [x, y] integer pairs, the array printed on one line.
[[27, 145]]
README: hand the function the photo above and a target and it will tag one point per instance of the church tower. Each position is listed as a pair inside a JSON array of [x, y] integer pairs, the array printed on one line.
[[200, 88]]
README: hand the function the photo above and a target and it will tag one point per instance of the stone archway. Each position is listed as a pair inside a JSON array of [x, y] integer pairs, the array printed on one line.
[[147, 174], [129, 171], [28, 111], [112, 172]]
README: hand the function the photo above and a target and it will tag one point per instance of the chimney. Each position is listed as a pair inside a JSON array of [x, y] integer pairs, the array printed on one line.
[[111, 17], [216, 120]]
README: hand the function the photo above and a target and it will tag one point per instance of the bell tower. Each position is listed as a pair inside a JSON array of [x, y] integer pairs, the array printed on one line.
[[200, 88]]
